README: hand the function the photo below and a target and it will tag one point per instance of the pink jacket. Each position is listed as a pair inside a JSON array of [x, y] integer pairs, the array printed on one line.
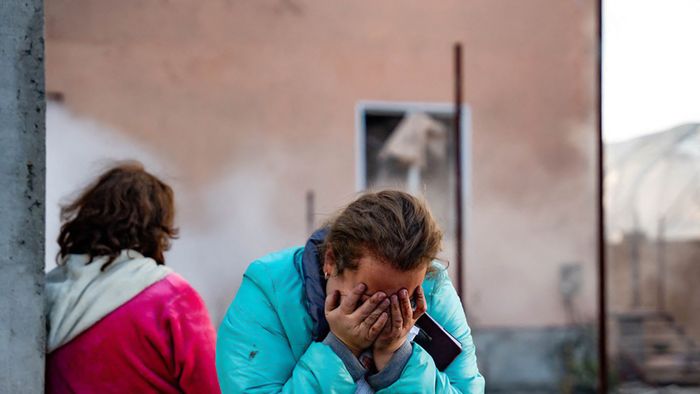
[[160, 341]]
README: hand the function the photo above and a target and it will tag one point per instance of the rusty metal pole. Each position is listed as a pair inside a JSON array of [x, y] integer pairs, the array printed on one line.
[[458, 169], [310, 209], [602, 283]]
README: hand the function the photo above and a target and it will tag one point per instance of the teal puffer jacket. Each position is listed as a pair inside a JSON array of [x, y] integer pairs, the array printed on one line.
[[265, 341]]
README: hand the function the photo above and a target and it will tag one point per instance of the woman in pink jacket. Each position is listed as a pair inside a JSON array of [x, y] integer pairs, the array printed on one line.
[[119, 321]]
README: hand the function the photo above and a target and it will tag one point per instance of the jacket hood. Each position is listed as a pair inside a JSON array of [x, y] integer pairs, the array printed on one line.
[[78, 294], [315, 284]]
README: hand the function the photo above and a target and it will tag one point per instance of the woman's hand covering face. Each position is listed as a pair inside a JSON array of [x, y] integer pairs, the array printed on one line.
[[403, 318], [357, 327]]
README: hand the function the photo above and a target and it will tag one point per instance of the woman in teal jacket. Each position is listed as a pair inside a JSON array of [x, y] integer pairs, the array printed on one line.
[[335, 316]]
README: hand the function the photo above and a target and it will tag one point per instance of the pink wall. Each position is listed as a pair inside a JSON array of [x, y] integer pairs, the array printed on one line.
[[252, 104]]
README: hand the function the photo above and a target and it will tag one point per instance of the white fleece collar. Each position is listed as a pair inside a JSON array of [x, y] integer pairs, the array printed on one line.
[[78, 295]]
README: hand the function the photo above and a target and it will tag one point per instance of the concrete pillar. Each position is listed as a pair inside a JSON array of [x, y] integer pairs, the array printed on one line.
[[22, 173]]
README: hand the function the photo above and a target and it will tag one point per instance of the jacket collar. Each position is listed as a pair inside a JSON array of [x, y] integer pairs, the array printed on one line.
[[315, 284]]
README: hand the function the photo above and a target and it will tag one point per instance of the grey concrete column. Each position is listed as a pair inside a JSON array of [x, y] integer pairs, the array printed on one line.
[[22, 180]]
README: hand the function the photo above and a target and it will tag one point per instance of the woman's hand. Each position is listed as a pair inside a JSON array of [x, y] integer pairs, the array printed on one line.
[[394, 334], [358, 327]]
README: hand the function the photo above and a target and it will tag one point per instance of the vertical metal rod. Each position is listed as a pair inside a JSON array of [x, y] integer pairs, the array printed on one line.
[[458, 168], [661, 264], [310, 203], [635, 242], [602, 279]]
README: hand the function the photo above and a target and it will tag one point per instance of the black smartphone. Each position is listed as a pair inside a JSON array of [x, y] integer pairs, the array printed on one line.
[[439, 343]]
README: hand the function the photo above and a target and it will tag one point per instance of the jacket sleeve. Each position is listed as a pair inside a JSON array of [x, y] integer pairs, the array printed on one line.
[[254, 355], [462, 375], [193, 342]]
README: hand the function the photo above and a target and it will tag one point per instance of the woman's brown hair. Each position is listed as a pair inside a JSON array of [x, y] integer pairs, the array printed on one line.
[[125, 208], [392, 225]]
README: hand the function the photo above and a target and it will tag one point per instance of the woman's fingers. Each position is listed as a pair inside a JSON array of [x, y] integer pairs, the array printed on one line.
[[332, 301], [376, 313], [421, 305], [378, 326], [348, 304], [369, 306], [405, 302], [396, 318], [369, 326]]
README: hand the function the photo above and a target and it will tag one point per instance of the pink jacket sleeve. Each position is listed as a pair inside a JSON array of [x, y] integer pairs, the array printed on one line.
[[194, 343]]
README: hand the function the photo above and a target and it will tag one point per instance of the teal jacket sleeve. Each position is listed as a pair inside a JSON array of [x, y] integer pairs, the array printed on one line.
[[253, 354], [462, 376]]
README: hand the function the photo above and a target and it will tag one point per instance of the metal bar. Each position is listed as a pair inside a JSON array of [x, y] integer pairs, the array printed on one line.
[[661, 264], [458, 168], [310, 208], [635, 245], [602, 279]]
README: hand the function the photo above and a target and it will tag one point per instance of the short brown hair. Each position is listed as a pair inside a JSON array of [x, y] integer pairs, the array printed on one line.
[[392, 225], [125, 208]]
